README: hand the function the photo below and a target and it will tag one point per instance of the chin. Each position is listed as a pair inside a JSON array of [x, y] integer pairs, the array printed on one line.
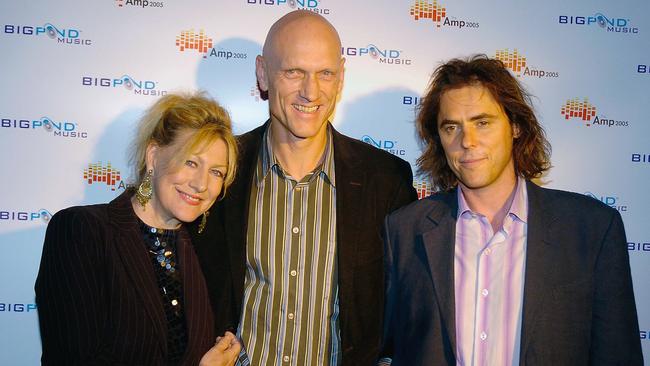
[[187, 217]]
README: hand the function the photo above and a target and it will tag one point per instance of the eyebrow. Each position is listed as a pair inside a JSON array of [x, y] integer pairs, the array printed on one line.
[[473, 118], [213, 166]]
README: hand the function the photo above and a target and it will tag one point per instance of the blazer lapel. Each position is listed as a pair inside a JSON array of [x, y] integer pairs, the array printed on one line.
[[540, 262], [137, 265], [439, 248], [198, 314], [350, 181], [235, 209]]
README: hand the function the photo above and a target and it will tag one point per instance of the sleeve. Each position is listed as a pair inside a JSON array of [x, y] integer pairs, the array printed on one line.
[[386, 353], [615, 327], [71, 292]]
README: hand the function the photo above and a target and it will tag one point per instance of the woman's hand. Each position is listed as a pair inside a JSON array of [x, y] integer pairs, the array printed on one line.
[[223, 353]]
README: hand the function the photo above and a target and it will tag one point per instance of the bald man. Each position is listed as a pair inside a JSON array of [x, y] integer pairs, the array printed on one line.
[[293, 254]]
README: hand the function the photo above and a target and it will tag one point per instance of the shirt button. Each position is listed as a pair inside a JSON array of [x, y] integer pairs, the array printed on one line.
[[483, 336], [293, 273], [285, 358], [487, 251], [290, 316], [295, 230], [484, 292]]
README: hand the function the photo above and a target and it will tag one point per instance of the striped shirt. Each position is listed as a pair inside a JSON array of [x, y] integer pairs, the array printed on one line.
[[489, 283], [290, 308]]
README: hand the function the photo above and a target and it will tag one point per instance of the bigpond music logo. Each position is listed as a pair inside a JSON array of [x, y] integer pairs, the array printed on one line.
[[391, 146], [69, 35], [42, 215], [126, 83], [55, 128], [601, 21], [315, 6], [385, 56]]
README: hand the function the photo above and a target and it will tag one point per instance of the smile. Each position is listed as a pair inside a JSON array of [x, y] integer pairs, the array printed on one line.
[[192, 200], [470, 162], [305, 109]]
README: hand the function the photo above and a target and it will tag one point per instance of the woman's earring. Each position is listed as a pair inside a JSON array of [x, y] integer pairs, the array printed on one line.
[[204, 220], [145, 189]]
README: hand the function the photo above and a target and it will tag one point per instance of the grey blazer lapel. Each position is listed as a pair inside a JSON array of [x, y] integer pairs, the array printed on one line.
[[439, 248]]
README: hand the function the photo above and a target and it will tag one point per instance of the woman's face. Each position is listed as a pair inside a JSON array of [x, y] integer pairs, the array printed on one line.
[[185, 188]]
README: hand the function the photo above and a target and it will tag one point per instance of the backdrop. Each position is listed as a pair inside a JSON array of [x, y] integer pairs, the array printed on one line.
[[76, 75]]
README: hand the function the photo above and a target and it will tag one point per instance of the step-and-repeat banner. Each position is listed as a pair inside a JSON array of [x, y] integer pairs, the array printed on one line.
[[76, 75]]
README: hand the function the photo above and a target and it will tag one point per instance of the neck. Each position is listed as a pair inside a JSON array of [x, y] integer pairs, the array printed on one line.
[[298, 156], [149, 216], [492, 203]]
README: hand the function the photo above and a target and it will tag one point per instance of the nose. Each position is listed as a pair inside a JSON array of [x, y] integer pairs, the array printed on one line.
[[199, 181], [310, 88], [468, 137]]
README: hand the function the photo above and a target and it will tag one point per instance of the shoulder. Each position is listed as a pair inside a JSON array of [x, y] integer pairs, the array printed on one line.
[[571, 208], [80, 218], [252, 137], [76, 233], [417, 211], [571, 202]]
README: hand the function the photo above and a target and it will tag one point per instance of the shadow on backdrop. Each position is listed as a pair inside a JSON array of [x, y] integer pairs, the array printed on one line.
[[228, 74]]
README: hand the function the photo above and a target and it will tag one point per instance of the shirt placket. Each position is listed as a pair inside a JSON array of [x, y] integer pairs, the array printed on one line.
[[297, 192], [483, 304]]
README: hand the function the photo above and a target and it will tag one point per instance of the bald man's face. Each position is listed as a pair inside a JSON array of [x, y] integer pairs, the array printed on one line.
[[303, 73]]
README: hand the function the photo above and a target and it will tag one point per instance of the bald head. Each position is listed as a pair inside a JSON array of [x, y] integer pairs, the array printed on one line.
[[301, 72], [300, 26]]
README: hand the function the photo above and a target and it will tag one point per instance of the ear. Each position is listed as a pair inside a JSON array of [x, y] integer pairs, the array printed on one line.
[[150, 155], [341, 75], [516, 132], [261, 74]]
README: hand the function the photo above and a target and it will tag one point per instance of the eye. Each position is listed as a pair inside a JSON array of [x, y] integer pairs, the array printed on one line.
[[218, 173], [448, 128], [191, 163], [293, 73], [482, 123], [327, 74]]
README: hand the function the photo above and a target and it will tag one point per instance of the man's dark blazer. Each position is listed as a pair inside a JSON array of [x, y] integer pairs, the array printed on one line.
[[97, 295], [578, 304], [370, 183]]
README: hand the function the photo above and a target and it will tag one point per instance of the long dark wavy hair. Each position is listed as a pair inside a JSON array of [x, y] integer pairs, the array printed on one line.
[[531, 151]]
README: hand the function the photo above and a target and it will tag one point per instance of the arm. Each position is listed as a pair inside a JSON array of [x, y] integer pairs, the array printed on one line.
[[70, 292], [387, 341], [615, 328]]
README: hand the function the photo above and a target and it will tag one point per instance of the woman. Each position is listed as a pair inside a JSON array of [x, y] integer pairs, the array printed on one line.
[[119, 283]]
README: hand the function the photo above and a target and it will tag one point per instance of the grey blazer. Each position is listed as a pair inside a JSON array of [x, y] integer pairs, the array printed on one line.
[[578, 305]]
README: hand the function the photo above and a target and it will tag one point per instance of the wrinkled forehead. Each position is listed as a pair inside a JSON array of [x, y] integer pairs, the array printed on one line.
[[301, 29]]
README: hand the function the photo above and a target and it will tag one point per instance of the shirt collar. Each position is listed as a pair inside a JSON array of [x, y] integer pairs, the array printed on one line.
[[518, 207], [267, 161]]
